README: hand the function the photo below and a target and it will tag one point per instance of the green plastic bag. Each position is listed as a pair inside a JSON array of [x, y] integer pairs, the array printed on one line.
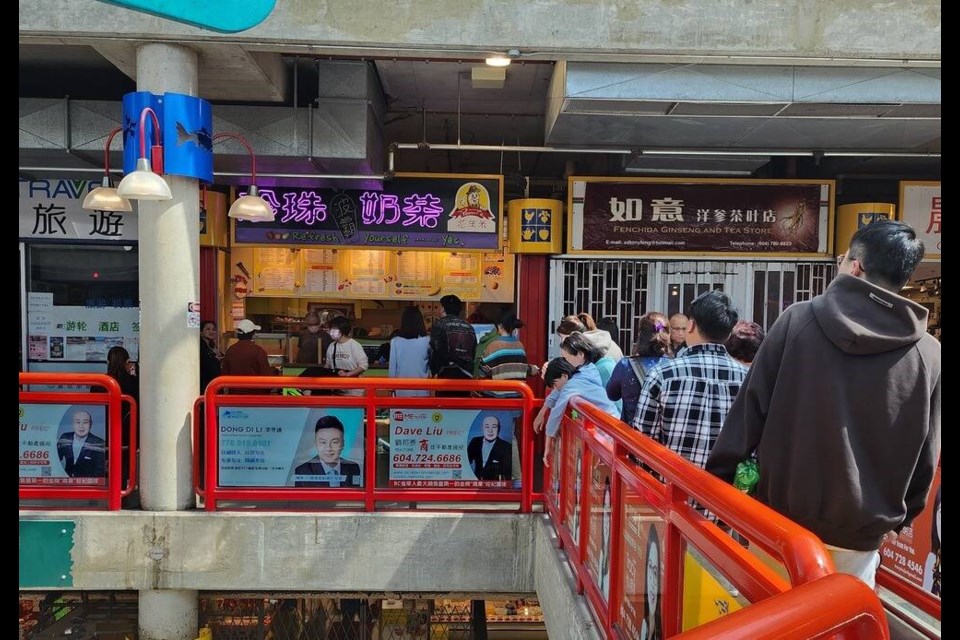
[[746, 476]]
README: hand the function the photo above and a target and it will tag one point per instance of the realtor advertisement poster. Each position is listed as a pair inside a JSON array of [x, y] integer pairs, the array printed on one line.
[[573, 452], [914, 555], [601, 512], [643, 537], [452, 448], [751, 217], [63, 444], [291, 447]]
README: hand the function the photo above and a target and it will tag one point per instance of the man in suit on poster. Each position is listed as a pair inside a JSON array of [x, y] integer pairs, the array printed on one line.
[[327, 468], [82, 454], [489, 455]]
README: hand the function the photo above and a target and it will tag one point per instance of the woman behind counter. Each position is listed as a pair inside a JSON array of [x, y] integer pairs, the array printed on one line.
[[408, 351]]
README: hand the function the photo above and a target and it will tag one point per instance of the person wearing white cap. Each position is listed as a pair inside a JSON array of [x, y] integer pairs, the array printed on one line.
[[245, 357]]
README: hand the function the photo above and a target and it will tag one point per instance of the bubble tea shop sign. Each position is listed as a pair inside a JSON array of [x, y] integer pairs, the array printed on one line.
[[450, 213]]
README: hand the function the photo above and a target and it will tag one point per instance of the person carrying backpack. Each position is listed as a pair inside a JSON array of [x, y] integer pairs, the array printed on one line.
[[453, 343]]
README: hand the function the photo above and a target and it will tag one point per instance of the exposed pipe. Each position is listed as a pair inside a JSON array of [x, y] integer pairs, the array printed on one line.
[[660, 152], [223, 174], [498, 148], [472, 54]]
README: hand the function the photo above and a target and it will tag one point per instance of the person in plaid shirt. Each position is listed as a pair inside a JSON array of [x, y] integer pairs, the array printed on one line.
[[684, 401]]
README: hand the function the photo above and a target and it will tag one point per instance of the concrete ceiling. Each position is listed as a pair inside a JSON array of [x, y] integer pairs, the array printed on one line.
[[696, 108]]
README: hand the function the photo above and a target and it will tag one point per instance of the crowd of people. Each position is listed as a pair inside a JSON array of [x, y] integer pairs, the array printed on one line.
[[715, 389]]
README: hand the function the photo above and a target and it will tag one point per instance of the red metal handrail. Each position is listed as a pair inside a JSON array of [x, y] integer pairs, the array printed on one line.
[[805, 558], [911, 593], [822, 608], [369, 494], [113, 398], [132, 479]]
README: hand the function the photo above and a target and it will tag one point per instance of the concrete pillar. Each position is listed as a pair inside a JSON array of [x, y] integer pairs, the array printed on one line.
[[168, 614], [169, 279]]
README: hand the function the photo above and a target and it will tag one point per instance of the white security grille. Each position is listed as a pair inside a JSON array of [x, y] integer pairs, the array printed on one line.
[[616, 289], [626, 289]]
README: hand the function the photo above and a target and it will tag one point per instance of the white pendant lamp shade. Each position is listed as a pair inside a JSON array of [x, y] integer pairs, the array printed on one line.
[[106, 198], [144, 184], [252, 208]]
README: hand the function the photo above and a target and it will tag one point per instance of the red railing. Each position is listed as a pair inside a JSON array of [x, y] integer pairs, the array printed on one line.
[[112, 399], [369, 494], [914, 595], [605, 447]]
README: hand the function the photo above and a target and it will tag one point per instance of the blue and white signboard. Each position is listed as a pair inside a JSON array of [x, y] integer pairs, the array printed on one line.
[[291, 447], [63, 444]]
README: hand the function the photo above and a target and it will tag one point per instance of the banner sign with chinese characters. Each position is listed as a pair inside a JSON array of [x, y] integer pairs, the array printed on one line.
[[63, 444], [452, 213], [51, 210], [767, 217], [452, 448], [80, 334], [290, 447], [920, 208]]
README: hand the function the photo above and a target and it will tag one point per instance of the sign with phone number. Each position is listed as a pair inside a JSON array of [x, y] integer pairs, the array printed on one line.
[[433, 448]]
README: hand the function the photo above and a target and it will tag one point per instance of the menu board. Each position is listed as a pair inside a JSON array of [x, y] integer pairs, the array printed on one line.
[[498, 276], [374, 274], [416, 275], [367, 273], [460, 275], [275, 271], [321, 272]]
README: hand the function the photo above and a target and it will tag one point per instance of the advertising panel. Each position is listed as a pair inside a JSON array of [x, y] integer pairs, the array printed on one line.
[[920, 208], [80, 334], [451, 213], [571, 489], [598, 539], [452, 448], [785, 217], [51, 209], [63, 444], [291, 447], [915, 553], [643, 557]]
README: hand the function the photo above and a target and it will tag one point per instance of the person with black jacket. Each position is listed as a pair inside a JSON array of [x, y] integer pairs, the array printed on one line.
[[842, 405], [453, 344]]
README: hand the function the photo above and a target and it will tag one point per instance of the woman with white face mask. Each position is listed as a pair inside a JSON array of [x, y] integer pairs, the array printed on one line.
[[345, 355]]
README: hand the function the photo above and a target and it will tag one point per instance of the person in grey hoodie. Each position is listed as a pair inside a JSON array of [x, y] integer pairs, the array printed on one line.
[[842, 405]]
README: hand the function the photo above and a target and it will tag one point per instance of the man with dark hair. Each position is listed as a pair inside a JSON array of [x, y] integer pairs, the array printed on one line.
[[842, 405], [327, 468], [453, 344], [490, 456], [684, 401]]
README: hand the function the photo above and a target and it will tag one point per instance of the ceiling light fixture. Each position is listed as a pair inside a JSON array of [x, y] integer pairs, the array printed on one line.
[[498, 60], [250, 207], [144, 184], [105, 197]]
